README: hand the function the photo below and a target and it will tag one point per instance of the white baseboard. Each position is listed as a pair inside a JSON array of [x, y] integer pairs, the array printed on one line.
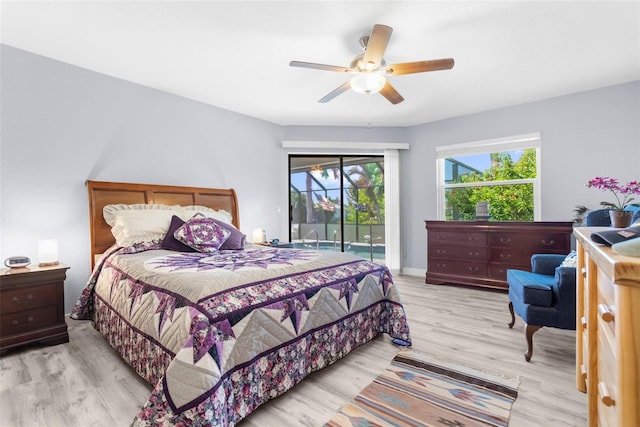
[[417, 272]]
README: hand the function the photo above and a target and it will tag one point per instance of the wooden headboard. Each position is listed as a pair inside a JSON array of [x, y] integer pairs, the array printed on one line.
[[109, 193]]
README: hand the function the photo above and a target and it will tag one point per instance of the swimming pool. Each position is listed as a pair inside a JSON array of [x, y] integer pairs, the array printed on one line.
[[361, 249]]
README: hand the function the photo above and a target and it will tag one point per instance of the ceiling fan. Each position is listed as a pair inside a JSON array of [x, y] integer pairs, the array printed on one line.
[[370, 69]]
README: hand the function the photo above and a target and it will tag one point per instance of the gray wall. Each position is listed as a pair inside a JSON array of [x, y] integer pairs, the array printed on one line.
[[61, 125], [594, 133]]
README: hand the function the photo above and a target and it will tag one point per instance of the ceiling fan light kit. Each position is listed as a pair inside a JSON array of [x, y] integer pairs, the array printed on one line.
[[370, 68], [368, 82]]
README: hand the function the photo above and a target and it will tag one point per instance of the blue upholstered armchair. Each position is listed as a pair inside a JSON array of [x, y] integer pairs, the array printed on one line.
[[545, 296]]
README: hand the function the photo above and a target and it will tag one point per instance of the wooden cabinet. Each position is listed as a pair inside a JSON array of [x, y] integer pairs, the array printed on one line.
[[32, 306], [608, 333], [478, 253]]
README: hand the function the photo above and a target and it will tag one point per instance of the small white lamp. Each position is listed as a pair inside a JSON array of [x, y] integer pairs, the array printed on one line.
[[48, 252], [259, 235]]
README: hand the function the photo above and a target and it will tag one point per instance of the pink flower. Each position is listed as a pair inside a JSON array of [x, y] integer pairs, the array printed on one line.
[[622, 193], [146, 414]]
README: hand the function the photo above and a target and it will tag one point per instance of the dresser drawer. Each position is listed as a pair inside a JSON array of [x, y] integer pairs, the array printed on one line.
[[546, 242], [584, 271], [498, 270], [461, 268], [17, 300], [26, 321], [512, 256], [606, 311], [606, 290], [457, 239], [584, 367], [607, 381], [459, 252]]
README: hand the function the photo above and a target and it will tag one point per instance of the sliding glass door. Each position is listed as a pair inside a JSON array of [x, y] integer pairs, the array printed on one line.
[[337, 203]]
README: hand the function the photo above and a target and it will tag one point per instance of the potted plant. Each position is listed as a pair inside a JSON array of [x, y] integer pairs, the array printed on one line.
[[623, 197]]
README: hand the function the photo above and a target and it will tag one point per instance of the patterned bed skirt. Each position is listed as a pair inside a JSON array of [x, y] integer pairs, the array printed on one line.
[[145, 355], [245, 387]]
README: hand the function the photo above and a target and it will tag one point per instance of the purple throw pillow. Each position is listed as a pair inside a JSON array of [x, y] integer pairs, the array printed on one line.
[[236, 239], [202, 234], [170, 242]]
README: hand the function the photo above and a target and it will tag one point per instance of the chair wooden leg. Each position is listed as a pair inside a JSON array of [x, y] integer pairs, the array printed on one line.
[[513, 316], [529, 331]]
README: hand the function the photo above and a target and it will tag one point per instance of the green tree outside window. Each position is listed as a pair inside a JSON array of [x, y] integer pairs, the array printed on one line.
[[508, 201]]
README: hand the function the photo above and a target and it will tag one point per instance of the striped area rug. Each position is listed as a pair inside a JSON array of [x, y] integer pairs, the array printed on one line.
[[416, 390]]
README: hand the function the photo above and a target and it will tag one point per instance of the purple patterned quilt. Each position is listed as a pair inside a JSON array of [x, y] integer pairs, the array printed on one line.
[[220, 334]]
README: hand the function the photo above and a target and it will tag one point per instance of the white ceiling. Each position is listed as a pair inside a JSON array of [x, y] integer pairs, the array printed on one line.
[[235, 54]]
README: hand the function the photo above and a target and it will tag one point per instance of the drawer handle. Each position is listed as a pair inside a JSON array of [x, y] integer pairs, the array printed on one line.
[[605, 313], [472, 238], [583, 322], [473, 269], [503, 240], [476, 253], [503, 256], [441, 251], [583, 271], [17, 323], [605, 397], [19, 301], [544, 242], [441, 265]]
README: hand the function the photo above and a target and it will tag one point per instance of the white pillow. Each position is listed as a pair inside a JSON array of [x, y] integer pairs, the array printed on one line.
[[110, 212], [135, 223], [187, 212], [132, 227], [571, 260]]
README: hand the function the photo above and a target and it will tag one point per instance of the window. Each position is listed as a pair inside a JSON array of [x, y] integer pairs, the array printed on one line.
[[503, 172]]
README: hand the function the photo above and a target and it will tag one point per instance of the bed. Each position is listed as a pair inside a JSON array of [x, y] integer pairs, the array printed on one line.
[[218, 332]]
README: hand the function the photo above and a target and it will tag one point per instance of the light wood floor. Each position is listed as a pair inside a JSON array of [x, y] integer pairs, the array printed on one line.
[[84, 383]]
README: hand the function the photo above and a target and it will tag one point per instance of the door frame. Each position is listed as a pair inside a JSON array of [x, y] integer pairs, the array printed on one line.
[[391, 152]]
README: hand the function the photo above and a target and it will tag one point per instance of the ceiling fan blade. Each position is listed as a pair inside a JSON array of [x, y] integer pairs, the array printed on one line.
[[420, 66], [324, 67], [337, 91], [391, 94], [376, 45]]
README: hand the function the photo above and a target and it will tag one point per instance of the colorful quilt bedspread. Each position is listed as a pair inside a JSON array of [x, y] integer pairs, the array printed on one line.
[[219, 334]]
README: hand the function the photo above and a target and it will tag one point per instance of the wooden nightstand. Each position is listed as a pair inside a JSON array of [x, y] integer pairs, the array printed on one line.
[[32, 306]]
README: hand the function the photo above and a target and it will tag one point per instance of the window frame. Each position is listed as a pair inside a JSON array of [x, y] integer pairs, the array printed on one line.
[[518, 142]]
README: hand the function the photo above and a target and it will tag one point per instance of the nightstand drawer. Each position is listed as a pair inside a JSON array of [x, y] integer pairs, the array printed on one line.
[[22, 299], [26, 321]]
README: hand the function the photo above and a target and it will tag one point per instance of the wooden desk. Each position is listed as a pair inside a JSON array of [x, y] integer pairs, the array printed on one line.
[[608, 332]]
